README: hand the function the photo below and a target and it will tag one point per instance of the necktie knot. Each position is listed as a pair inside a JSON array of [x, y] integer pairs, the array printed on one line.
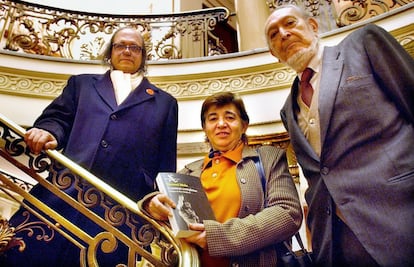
[[305, 87], [306, 75]]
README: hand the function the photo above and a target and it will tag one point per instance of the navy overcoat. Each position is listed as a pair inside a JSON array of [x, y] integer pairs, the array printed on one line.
[[126, 146]]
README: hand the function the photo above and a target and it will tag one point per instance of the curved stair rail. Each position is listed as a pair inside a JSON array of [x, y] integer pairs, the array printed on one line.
[[145, 238]]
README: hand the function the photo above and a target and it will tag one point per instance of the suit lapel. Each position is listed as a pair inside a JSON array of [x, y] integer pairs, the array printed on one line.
[[142, 93], [330, 77], [105, 90], [288, 113], [332, 67]]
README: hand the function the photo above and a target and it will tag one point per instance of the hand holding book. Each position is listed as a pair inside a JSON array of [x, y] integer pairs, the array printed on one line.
[[190, 202], [200, 238], [160, 207]]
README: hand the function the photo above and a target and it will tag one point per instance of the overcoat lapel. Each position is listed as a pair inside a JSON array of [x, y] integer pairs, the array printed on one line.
[[105, 90], [142, 93], [330, 77]]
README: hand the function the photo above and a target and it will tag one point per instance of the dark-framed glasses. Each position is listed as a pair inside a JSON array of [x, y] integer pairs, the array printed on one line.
[[122, 47]]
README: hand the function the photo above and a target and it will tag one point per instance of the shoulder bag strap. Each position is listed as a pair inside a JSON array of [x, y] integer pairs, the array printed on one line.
[[260, 169]]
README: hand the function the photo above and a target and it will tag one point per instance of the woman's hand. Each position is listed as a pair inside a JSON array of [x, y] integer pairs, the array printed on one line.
[[200, 238], [159, 207]]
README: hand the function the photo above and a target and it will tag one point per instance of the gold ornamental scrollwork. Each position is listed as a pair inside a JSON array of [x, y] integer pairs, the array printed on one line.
[[30, 86], [352, 11], [37, 229], [182, 87], [107, 244], [47, 31], [7, 237], [264, 80]]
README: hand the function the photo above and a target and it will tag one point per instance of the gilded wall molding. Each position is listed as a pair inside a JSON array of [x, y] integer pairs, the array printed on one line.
[[405, 36], [242, 81], [196, 86], [29, 84], [280, 140]]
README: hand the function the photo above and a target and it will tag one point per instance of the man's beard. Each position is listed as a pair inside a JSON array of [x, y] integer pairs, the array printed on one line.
[[300, 60]]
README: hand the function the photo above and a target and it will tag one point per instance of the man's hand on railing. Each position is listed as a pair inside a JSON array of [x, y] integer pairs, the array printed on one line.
[[39, 139]]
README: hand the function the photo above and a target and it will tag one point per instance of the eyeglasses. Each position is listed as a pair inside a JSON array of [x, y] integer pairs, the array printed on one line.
[[122, 47]]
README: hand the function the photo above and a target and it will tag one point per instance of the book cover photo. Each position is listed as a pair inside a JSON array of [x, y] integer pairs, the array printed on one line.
[[188, 194]]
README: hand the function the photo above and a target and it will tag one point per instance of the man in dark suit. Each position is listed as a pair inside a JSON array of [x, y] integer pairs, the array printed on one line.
[[354, 139], [117, 125]]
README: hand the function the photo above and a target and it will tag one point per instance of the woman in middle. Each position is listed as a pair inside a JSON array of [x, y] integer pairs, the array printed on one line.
[[251, 217]]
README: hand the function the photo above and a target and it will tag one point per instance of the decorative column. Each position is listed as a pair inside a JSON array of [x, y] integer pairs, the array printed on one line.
[[251, 17]]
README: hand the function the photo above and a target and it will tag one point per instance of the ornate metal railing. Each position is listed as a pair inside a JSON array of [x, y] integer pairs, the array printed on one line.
[[27, 186], [145, 238], [42, 30], [336, 14], [36, 29]]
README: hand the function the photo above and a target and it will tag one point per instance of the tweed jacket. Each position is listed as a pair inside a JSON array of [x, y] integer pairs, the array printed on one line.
[[366, 166], [248, 239]]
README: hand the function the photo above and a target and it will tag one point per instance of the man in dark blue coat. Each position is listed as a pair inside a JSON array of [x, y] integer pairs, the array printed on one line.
[[117, 125]]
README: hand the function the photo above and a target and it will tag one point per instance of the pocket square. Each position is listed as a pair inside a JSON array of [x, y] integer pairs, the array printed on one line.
[[354, 78]]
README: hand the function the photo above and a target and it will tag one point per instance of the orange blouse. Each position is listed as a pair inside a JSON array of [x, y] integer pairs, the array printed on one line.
[[223, 192]]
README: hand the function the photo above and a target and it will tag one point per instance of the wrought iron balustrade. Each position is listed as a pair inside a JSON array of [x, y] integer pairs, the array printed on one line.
[[36, 29], [336, 14], [145, 238]]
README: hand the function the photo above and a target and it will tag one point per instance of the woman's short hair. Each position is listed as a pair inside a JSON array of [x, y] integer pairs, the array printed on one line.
[[108, 50], [221, 99]]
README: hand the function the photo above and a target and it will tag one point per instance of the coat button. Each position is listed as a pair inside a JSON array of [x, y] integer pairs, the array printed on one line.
[[328, 210], [114, 117], [104, 144], [325, 170], [312, 121], [242, 180], [246, 208]]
